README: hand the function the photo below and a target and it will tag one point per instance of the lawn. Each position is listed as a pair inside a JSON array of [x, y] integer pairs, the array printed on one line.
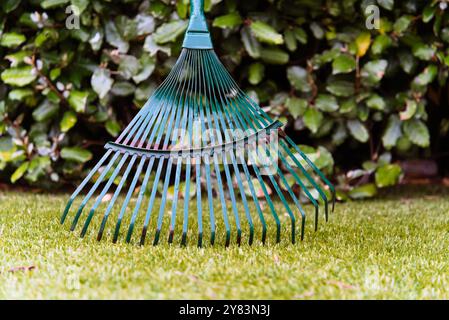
[[395, 246]]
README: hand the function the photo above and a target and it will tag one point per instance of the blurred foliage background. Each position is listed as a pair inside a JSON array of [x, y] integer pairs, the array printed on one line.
[[364, 103]]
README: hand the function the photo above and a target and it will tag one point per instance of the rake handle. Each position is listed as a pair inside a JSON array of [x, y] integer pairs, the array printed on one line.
[[197, 35], [197, 7]]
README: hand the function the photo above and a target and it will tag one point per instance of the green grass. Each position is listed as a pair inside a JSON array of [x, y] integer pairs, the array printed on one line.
[[393, 247]]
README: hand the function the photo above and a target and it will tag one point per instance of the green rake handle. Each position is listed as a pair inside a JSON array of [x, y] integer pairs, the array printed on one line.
[[197, 35]]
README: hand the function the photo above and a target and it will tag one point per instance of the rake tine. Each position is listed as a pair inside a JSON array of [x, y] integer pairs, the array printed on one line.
[[303, 187], [248, 216], [224, 111], [206, 159], [195, 142], [102, 194], [301, 211], [179, 164], [115, 196], [157, 100], [143, 188], [233, 200], [145, 124], [315, 168], [267, 197], [265, 122], [223, 201], [175, 200], [198, 202], [83, 184], [161, 119], [150, 203], [256, 201], [289, 190], [251, 226], [245, 203], [125, 203], [154, 99], [294, 198], [162, 104], [311, 180], [92, 190], [237, 220], [209, 105], [164, 199], [284, 202], [186, 204], [309, 162], [171, 114], [210, 199]]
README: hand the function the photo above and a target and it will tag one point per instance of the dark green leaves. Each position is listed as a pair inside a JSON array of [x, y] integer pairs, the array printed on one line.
[[266, 33], [315, 66], [78, 100], [402, 24], [373, 71], [298, 78], [45, 111], [256, 73], [386, 4], [102, 82], [252, 46], [365, 191], [387, 175], [114, 38], [417, 132], [274, 55], [340, 88], [19, 76], [343, 64], [68, 121], [230, 20], [296, 106], [392, 132], [326, 103], [47, 4], [12, 39], [76, 154], [10, 5], [20, 171], [426, 76], [358, 130], [170, 31], [313, 119]]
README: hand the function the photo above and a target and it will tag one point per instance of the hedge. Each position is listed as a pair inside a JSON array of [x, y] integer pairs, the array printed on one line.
[[359, 94]]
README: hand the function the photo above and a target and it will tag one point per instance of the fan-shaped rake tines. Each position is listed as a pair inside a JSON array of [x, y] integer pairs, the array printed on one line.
[[200, 151], [199, 158]]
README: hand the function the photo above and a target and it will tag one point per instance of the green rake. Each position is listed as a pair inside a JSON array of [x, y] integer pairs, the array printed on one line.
[[199, 125]]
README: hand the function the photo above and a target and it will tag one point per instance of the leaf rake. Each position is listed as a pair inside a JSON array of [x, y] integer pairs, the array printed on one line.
[[199, 132]]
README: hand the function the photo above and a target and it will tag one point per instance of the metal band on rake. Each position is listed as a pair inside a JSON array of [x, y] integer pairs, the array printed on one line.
[[199, 125]]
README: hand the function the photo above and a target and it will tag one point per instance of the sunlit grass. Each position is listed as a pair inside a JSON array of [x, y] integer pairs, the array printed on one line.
[[393, 247]]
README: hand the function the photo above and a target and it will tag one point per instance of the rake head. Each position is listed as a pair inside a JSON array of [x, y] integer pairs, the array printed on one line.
[[198, 147]]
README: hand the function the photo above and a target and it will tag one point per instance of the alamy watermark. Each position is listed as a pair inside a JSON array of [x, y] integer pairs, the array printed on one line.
[[73, 20], [372, 21]]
